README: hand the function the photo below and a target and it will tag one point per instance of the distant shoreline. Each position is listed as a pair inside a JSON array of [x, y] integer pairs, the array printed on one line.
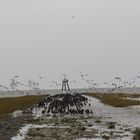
[[5, 94]]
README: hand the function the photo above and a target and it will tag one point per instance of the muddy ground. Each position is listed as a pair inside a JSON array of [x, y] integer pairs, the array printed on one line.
[[105, 123], [10, 127]]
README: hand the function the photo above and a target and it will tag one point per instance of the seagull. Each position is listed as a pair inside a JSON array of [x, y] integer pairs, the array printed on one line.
[[120, 87], [83, 75], [13, 84], [73, 17], [111, 90], [95, 84], [118, 78], [64, 75], [19, 83], [105, 83], [114, 85], [16, 76], [138, 77], [2, 86], [89, 81], [41, 77]]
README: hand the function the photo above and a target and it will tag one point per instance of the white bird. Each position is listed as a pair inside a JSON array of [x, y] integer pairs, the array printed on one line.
[[118, 78], [16, 76], [41, 77], [105, 83], [138, 77], [73, 17], [114, 85], [89, 81], [2, 86], [83, 75], [13, 84]]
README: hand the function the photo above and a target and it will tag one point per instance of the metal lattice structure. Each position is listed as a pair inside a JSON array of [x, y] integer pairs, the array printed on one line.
[[65, 85]]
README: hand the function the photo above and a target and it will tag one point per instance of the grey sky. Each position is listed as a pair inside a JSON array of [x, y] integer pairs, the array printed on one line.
[[41, 36]]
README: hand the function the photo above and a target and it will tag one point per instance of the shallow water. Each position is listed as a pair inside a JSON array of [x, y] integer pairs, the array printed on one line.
[[126, 118]]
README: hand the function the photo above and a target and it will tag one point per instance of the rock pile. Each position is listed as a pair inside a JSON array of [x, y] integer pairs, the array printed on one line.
[[61, 104]]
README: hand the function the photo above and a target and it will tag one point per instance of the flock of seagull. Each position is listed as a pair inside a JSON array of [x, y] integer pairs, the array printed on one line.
[[116, 84], [15, 83]]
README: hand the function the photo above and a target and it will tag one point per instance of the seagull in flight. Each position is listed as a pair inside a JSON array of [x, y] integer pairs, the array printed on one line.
[[16, 76], [2, 86], [83, 75], [114, 85], [118, 78], [41, 77], [73, 17], [138, 77]]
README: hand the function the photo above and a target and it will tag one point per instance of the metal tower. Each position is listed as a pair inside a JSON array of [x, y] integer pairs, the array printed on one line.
[[65, 84]]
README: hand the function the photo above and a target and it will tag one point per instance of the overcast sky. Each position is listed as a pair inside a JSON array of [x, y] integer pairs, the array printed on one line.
[[52, 37]]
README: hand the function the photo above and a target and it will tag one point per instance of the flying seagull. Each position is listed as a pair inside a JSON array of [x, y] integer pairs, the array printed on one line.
[[73, 17], [118, 78], [83, 75]]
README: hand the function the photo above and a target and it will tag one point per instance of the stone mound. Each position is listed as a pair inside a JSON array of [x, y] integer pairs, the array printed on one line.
[[61, 104]]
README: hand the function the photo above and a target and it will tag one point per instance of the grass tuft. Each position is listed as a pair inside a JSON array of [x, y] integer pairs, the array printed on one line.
[[115, 100], [137, 134], [9, 105]]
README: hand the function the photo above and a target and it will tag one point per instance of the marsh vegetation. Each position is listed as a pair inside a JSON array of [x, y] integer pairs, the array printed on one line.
[[9, 105], [116, 99]]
